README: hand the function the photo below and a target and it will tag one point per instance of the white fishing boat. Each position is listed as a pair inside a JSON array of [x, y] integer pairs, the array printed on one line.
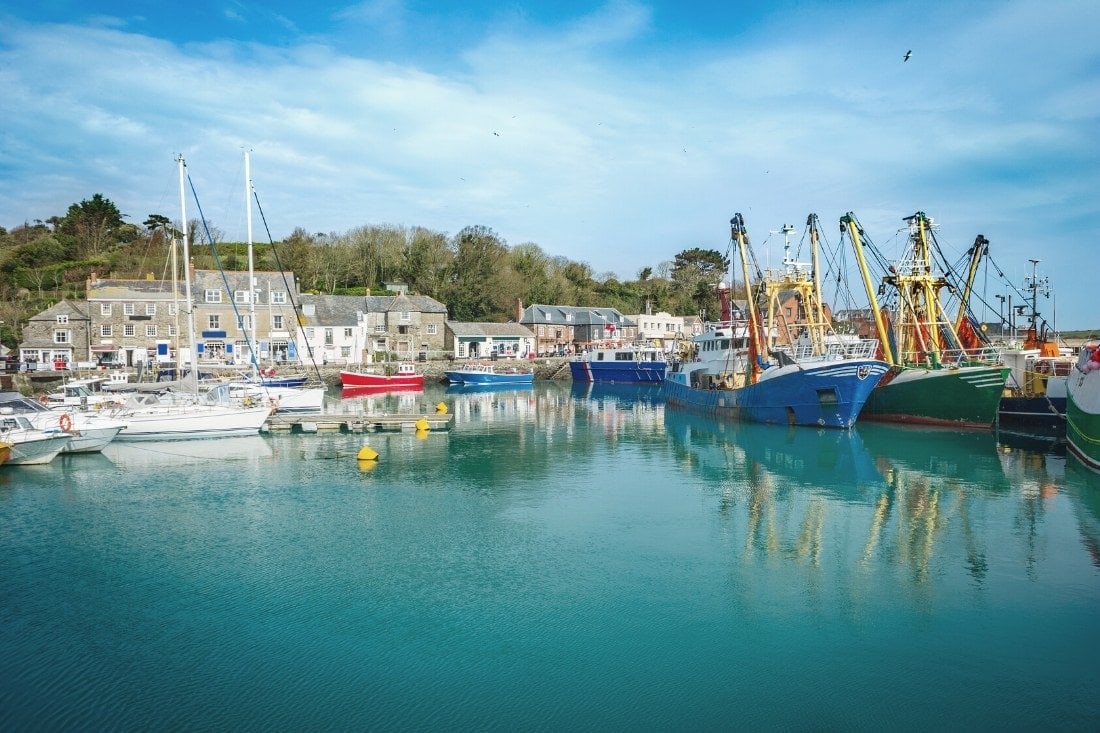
[[1083, 407], [28, 444], [91, 430]]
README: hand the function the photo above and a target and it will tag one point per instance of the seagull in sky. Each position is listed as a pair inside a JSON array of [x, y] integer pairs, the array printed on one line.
[[907, 55]]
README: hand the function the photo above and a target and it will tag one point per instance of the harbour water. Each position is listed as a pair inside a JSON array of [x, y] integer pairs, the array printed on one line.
[[562, 559]]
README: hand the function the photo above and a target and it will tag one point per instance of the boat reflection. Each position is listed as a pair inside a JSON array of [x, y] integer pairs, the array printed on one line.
[[646, 393], [858, 506]]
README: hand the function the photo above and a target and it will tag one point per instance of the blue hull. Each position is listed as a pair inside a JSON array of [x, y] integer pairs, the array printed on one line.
[[830, 395], [627, 372], [478, 378]]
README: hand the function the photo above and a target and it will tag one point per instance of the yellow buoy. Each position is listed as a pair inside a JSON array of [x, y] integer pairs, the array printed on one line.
[[441, 408], [366, 466], [422, 424], [366, 453]]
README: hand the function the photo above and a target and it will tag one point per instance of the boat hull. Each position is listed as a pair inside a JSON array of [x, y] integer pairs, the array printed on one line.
[[187, 424], [963, 397], [386, 381], [1046, 415], [461, 377], [830, 394], [1083, 416], [35, 451], [626, 372]]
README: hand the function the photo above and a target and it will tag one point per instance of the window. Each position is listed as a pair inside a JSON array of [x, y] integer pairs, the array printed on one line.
[[277, 323], [213, 296], [431, 329], [104, 309], [347, 333], [240, 296], [171, 331], [127, 309], [213, 322], [61, 336], [128, 329], [380, 344], [105, 330], [171, 309], [309, 334], [380, 328], [406, 317], [150, 309], [62, 320], [151, 331], [244, 323], [278, 297], [345, 351], [328, 337]]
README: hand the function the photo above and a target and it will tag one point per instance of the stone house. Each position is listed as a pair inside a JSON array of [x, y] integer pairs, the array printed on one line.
[[351, 329], [135, 321], [59, 337], [566, 329]]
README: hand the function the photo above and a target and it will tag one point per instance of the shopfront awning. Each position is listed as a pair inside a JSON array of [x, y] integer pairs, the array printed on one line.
[[104, 348]]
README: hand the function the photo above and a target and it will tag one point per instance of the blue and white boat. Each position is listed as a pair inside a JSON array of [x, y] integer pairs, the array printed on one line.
[[475, 373], [620, 364], [734, 370]]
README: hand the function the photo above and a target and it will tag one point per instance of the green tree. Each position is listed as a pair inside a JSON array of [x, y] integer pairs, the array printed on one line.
[[95, 224], [696, 273]]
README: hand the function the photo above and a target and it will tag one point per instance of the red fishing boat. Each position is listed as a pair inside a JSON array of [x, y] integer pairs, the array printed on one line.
[[405, 377]]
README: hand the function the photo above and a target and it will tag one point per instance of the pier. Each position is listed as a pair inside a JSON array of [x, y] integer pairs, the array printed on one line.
[[357, 423]]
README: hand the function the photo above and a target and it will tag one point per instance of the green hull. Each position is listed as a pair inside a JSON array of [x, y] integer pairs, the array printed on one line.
[[965, 397], [1083, 418]]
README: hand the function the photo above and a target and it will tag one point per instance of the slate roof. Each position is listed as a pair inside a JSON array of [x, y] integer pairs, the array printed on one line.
[[134, 289], [336, 310], [582, 315], [467, 328]]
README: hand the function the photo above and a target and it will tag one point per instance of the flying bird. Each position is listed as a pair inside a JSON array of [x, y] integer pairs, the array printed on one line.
[[497, 134], [907, 55]]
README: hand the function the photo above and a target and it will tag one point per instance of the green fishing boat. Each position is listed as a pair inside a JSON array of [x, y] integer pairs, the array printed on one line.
[[942, 371]]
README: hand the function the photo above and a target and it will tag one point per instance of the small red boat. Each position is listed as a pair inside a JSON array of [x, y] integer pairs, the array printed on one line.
[[406, 377]]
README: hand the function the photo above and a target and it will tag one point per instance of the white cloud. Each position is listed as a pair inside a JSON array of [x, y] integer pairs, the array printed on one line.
[[617, 160]]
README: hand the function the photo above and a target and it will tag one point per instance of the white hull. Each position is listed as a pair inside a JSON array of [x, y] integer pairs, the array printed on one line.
[[30, 446], [186, 422]]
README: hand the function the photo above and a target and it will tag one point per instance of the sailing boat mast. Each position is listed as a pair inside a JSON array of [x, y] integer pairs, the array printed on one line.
[[194, 374], [250, 332]]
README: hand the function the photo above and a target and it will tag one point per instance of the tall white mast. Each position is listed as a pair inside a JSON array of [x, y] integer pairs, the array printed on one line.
[[250, 332], [193, 343]]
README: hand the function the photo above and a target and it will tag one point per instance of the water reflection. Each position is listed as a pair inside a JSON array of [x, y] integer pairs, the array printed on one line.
[[882, 498]]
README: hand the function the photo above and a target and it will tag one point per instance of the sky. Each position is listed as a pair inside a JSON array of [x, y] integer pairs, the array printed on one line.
[[617, 134]]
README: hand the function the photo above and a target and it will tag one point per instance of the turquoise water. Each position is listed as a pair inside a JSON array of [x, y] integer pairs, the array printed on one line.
[[580, 560]]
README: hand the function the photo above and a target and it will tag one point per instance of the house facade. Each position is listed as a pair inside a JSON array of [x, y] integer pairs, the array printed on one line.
[[489, 340], [349, 329], [59, 337], [136, 321], [565, 329]]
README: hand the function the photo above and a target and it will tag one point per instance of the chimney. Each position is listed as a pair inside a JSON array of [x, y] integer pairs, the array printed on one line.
[[519, 311]]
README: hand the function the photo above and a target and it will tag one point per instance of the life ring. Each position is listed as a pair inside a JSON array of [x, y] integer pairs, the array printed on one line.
[[44, 399], [65, 422]]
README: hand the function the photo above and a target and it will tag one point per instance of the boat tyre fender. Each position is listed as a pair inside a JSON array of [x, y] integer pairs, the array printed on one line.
[[248, 401], [65, 422]]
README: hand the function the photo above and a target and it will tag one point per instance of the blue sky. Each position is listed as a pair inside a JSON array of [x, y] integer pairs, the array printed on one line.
[[615, 134]]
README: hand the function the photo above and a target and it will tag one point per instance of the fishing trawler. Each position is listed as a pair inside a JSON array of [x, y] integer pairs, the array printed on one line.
[[942, 371], [735, 370]]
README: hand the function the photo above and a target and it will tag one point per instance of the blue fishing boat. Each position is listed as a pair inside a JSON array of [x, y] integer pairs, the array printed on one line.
[[626, 363], [738, 370], [475, 373]]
